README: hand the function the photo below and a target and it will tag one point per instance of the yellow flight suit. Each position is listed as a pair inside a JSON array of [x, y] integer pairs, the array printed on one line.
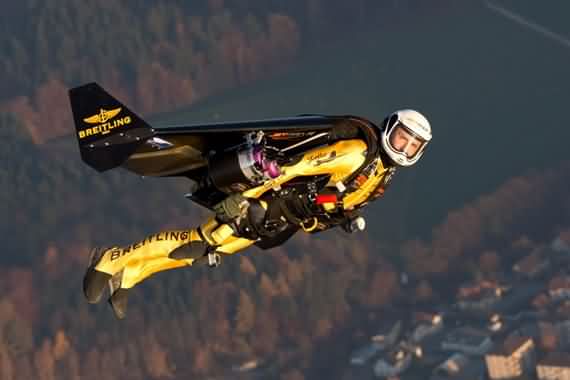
[[124, 267]]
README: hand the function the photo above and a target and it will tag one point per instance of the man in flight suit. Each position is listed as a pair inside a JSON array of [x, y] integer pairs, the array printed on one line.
[[242, 219]]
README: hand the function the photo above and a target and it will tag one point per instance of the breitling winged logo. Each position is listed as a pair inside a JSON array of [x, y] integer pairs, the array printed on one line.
[[103, 116]]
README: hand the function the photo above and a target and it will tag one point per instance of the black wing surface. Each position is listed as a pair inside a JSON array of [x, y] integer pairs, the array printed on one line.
[[192, 144], [110, 135]]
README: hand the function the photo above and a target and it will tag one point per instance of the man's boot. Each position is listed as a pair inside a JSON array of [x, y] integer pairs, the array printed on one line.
[[94, 281], [118, 298]]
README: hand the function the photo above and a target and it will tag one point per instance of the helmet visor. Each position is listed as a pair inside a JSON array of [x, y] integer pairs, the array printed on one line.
[[404, 141]]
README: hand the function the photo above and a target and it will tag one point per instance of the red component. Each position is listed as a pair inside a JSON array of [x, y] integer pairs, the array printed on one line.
[[326, 198]]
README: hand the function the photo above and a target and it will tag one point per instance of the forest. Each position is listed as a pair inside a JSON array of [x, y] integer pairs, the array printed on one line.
[[268, 304], [155, 56], [285, 305]]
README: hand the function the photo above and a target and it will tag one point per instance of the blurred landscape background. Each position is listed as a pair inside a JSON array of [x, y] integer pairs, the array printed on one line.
[[495, 179]]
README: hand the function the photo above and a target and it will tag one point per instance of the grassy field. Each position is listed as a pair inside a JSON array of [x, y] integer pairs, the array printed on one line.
[[495, 91]]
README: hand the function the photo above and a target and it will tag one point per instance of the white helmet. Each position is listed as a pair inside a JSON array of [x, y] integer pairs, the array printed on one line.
[[405, 136]]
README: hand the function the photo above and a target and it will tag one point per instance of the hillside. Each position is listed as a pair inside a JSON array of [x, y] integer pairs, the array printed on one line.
[[298, 307], [494, 173]]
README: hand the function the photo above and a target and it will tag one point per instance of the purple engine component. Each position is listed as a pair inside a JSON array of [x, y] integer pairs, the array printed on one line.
[[269, 167]]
